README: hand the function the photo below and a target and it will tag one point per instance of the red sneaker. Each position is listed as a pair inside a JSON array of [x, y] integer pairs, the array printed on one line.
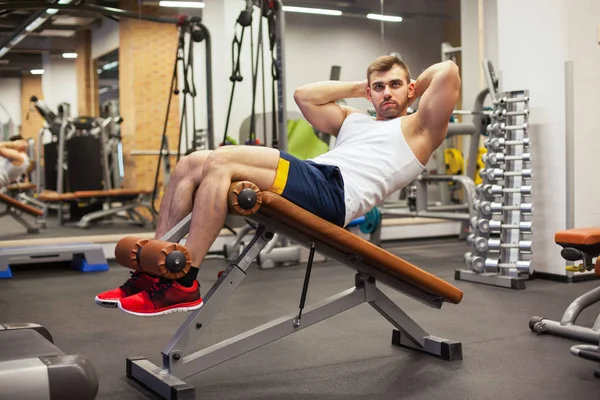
[[164, 297], [137, 283]]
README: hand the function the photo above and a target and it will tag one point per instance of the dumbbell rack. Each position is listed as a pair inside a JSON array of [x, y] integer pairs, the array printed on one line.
[[499, 245]]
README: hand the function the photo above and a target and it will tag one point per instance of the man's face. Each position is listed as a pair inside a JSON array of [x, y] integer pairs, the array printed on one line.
[[390, 93]]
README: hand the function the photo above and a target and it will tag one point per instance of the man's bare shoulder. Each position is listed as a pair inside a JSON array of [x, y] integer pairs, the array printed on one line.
[[416, 140], [350, 110]]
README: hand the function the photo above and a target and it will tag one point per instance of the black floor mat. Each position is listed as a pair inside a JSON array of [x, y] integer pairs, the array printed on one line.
[[346, 357]]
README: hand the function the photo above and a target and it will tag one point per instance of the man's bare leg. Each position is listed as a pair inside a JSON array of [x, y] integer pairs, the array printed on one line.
[[209, 211], [253, 163], [178, 198]]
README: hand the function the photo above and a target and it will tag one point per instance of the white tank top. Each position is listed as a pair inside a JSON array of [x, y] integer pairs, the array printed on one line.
[[375, 161], [9, 173]]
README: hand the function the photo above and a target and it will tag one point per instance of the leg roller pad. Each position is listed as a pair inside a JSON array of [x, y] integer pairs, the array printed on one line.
[[155, 257]]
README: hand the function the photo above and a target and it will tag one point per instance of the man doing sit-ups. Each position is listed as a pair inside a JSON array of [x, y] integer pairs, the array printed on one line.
[[14, 161], [371, 159]]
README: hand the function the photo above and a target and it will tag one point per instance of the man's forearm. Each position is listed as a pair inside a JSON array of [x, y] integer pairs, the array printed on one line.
[[319, 93], [424, 80]]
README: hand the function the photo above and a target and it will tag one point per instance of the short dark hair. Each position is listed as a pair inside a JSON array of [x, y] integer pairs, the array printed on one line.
[[384, 64], [14, 138]]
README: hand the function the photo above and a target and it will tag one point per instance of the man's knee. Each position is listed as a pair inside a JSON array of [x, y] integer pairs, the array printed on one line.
[[192, 164], [216, 161]]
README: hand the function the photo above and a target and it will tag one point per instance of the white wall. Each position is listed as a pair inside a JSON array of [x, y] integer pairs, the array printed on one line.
[[532, 49], [471, 64], [10, 100], [313, 44], [584, 51], [59, 82], [105, 39]]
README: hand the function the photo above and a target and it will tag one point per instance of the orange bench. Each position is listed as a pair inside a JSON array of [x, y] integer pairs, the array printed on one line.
[[372, 264], [580, 244], [130, 199]]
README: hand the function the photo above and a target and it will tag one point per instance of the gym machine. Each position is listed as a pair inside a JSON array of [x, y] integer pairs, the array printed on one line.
[[194, 31], [32, 367], [504, 192], [279, 251], [580, 244]]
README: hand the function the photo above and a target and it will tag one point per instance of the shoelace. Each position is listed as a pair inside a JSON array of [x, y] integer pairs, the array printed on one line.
[[159, 288], [134, 277]]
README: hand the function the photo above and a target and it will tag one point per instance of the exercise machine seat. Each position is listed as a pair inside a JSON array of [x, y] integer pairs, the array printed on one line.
[[286, 212], [586, 240], [32, 367]]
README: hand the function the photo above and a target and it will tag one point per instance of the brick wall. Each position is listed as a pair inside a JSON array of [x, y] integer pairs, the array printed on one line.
[[86, 103], [146, 58], [32, 122]]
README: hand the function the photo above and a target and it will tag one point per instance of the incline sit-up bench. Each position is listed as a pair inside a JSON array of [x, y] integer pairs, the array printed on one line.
[[274, 214]]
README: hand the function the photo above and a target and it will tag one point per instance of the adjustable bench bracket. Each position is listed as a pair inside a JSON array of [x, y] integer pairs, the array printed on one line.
[[179, 364]]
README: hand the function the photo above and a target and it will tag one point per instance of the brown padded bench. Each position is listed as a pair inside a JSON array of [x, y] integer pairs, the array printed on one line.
[[580, 244], [14, 209], [53, 197], [129, 198], [16, 204], [274, 214], [21, 187], [275, 206]]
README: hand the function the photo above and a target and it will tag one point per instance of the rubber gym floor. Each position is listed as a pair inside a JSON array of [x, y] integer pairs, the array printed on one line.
[[349, 356]]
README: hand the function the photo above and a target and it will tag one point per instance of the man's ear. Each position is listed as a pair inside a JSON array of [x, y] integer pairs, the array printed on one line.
[[411, 89], [369, 93]]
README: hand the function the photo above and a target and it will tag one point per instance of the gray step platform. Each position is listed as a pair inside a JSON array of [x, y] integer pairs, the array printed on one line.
[[86, 257], [32, 367]]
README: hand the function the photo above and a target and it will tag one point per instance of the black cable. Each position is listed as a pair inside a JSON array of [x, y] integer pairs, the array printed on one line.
[[252, 136], [264, 99], [275, 75], [235, 77], [163, 144]]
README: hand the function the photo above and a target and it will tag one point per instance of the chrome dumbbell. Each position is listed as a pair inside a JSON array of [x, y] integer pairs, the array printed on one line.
[[503, 113], [491, 225], [509, 100], [479, 243], [494, 174], [500, 158], [487, 208], [474, 262], [498, 144], [497, 190], [521, 266], [500, 128], [524, 246]]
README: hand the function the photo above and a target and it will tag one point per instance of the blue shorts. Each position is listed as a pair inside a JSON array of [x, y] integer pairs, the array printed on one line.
[[317, 188]]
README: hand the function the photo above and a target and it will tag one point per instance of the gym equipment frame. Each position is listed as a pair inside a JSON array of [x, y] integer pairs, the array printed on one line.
[[578, 244], [275, 214]]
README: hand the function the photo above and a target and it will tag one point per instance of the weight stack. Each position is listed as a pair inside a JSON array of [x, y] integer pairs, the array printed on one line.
[[500, 241]]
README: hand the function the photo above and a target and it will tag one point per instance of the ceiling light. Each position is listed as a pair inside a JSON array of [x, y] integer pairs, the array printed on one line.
[[182, 4], [306, 10], [110, 65], [69, 55], [37, 71], [387, 18]]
